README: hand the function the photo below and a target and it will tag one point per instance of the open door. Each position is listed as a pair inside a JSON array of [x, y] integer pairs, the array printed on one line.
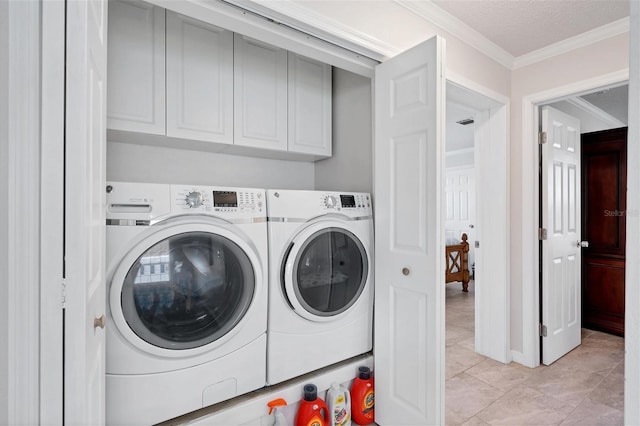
[[561, 246], [409, 246], [85, 148]]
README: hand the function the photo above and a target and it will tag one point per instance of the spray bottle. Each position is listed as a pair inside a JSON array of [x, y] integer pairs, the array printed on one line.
[[276, 405]]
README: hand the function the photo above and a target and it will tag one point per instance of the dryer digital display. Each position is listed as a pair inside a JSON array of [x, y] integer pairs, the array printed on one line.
[[225, 199]]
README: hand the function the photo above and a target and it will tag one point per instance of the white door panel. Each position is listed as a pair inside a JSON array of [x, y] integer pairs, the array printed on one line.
[[561, 254], [409, 334], [85, 137]]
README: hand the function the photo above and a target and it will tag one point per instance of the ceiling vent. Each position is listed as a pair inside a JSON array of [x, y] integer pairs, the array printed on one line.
[[465, 121]]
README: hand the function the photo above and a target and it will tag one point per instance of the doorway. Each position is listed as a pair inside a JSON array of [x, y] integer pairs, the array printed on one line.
[[477, 154], [476, 322], [601, 115], [604, 213]]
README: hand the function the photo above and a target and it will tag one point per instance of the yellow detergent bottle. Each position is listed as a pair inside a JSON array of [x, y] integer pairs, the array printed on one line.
[[339, 402]]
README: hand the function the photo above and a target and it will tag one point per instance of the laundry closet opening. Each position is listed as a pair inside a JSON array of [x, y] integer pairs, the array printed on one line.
[[219, 114]]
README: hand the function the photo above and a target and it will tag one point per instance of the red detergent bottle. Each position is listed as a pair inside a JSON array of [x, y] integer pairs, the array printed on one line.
[[313, 411], [362, 397]]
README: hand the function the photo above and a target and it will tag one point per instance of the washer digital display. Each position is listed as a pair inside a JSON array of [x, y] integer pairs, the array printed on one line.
[[225, 199], [348, 201]]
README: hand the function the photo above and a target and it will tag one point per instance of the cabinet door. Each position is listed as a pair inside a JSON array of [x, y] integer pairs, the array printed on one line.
[[309, 106], [199, 80], [260, 106], [135, 85]]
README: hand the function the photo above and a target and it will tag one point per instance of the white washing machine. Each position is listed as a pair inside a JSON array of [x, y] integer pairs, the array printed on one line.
[[320, 280], [187, 298]]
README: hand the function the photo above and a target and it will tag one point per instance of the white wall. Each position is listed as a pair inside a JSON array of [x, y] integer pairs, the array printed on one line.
[[351, 166], [142, 163], [601, 58], [388, 24], [4, 220]]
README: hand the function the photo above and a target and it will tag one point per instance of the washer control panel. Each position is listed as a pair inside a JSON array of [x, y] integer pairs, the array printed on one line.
[[217, 200]]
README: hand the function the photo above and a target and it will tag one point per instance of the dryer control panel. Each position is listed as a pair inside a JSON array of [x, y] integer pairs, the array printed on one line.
[[308, 204], [340, 201]]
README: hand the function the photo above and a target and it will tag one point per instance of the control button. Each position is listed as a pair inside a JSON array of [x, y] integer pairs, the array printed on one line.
[[259, 195], [194, 199]]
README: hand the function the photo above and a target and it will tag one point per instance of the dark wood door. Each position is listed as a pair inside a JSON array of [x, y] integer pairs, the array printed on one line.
[[604, 199]]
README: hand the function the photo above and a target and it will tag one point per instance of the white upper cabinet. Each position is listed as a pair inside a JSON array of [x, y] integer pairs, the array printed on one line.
[[260, 106], [309, 106], [135, 74], [193, 85], [199, 80]]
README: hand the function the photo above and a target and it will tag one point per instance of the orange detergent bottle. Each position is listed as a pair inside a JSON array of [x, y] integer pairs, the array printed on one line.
[[313, 411], [362, 397]]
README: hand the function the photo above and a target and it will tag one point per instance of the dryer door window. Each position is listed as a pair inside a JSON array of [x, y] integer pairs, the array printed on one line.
[[188, 290], [330, 272]]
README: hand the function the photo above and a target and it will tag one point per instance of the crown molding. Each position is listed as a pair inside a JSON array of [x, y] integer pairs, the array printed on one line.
[[612, 29], [590, 108], [437, 16], [295, 15]]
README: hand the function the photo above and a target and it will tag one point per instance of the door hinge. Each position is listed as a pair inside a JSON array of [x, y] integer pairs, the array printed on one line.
[[64, 293], [543, 330], [542, 138], [542, 234]]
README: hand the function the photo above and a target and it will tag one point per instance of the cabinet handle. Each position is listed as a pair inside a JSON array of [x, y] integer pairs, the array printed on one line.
[[406, 271]]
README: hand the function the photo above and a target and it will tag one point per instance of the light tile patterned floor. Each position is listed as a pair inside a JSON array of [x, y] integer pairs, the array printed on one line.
[[585, 387]]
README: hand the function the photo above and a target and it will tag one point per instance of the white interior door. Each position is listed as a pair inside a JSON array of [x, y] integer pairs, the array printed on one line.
[[561, 249], [409, 249], [460, 195], [85, 150]]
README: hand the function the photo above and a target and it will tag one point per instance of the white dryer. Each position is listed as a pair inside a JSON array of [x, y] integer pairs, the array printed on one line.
[[320, 280], [187, 298]]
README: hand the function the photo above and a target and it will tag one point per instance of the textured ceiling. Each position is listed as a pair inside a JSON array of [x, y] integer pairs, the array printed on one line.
[[523, 26]]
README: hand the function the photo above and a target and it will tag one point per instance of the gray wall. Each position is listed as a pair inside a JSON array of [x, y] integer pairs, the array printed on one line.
[[142, 163], [4, 220], [351, 166]]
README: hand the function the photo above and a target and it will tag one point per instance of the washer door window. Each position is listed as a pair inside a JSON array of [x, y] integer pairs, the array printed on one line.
[[187, 290], [329, 272]]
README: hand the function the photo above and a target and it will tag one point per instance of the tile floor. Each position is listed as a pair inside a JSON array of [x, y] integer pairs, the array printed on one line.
[[585, 387]]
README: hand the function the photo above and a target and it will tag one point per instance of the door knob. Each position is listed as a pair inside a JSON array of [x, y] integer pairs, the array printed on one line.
[[583, 244], [99, 322]]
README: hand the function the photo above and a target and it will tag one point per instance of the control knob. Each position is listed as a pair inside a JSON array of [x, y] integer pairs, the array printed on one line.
[[330, 202], [194, 199]]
